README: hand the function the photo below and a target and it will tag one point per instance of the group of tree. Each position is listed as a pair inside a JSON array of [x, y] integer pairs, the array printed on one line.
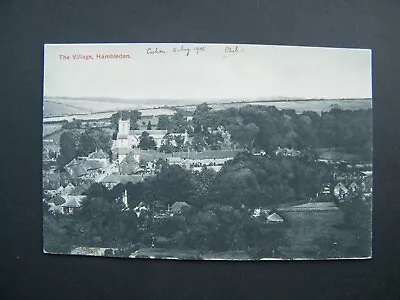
[[74, 143], [102, 221], [133, 115], [266, 127], [174, 143], [74, 124], [177, 123], [146, 142], [219, 213]]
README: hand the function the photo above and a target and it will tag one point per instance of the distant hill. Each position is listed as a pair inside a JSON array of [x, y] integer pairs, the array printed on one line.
[[58, 106], [54, 109]]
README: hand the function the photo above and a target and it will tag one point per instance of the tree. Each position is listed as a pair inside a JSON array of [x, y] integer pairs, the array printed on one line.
[[214, 140], [172, 184], [164, 122], [149, 126], [166, 145], [74, 124], [100, 222], [146, 141], [198, 143], [93, 139], [68, 147], [202, 117], [133, 115], [56, 237], [246, 135], [179, 141], [178, 123]]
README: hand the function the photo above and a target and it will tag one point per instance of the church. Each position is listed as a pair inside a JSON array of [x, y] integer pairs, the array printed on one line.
[[127, 140]]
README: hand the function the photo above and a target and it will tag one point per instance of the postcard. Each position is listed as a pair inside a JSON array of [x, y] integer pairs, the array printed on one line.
[[207, 151]]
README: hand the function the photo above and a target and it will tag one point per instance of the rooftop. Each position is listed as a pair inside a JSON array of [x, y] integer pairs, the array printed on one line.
[[98, 154], [150, 132], [114, 178]]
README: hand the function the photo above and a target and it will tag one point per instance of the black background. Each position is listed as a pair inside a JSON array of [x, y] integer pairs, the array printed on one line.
[[26, 273]]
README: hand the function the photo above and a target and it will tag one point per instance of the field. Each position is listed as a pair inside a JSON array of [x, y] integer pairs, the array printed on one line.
[[56, 109], [299, 106], [310, 229], [333, 154], [66, 106], [50, 128], [62, 107]]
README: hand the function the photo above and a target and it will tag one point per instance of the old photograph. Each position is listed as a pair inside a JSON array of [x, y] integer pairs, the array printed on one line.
[[207, 151]]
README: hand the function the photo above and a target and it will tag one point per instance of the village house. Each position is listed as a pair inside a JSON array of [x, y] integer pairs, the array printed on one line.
[[130, 164], [310, 206], [100, 157], [88, 167], [65, 204], [286, 152], [179, 207], [112, 180], [274, 218], [214, 159], [140, 208], [260, 212], [66, 190], [53, 181]]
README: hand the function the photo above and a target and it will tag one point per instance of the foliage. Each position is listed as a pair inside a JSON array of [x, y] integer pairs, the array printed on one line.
[[93, 139], [74, 124], [133, 115], [176, 123], [146, 141], [265, 127], [56, 237], [220, 203], [69, 141]]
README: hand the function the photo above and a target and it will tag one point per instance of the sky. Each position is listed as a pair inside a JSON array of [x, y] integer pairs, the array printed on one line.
[[251, 72]]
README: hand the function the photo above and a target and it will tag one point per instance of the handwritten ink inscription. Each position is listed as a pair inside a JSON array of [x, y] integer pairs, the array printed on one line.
[[189, 50], [232, 50], [155, 51], [227, 51], [184, 50]]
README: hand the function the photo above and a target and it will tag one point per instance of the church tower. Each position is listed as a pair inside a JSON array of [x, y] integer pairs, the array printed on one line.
[[124, 127]]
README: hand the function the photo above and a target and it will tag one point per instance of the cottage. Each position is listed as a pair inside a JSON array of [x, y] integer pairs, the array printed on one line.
[[179, 207], [65, 204], [99, 156], [67, 189], [80, 189], [52, 181], [130, 164], [275, 218], [75, 168], [112, 180]]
